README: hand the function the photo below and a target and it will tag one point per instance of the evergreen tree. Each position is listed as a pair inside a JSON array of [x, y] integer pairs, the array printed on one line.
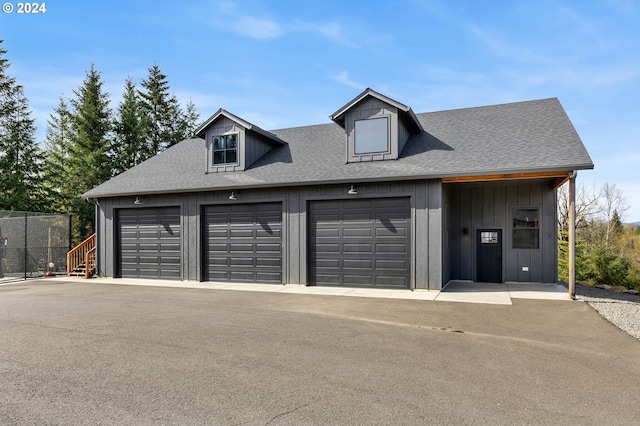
[[57, 142], [21, 181], [616, 224], [89, 164], [162, 112], [129, 127], [189, 121]]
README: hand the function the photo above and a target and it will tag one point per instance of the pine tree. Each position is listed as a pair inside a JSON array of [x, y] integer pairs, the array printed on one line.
[[57, 142], [129, 127], [616, 223], [21, 181], [189, 121], [89, 164], [162, 112]]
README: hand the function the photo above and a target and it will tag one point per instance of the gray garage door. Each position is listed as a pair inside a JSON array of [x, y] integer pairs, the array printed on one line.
[[361, 243], [149, 243], [243, 243]]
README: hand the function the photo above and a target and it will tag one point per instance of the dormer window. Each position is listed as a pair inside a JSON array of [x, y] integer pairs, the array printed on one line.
[[376, 127], [233, 144], [225, 149], [372, 135]]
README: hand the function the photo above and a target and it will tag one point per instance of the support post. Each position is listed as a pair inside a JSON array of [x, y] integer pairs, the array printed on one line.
[[26, 255], [572, 235]]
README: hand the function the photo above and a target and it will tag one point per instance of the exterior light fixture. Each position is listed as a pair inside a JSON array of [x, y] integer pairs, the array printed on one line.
[[233, 196], [352, 190], [137, 201]]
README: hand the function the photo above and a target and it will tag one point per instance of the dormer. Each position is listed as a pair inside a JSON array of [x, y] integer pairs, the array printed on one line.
[[376, 127], [233, 144]]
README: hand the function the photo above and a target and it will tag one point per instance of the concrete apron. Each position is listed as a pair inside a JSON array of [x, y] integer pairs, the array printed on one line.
[[500, 293], [455, 291]]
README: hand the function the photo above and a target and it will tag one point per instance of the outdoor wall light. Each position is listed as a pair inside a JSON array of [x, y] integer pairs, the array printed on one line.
[[465, 231], [137, 201], [233, 196], [352, 190]]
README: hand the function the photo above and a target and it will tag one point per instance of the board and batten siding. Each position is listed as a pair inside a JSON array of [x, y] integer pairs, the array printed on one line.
[[426, 228], [474, 206]]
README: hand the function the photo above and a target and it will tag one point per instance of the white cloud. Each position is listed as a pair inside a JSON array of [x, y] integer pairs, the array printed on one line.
[[259, 28], [230, 19], [343, 78]]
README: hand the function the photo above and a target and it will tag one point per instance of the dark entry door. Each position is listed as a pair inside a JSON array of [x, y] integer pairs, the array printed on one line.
[[490, 255]]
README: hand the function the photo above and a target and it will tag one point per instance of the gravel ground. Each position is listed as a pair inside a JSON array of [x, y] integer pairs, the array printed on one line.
[[621, 309]]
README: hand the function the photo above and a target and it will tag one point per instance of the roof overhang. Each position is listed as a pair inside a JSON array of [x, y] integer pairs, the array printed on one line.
[[560, 177]]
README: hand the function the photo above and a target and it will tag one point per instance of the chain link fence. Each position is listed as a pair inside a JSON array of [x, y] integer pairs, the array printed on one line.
[[33, 244]]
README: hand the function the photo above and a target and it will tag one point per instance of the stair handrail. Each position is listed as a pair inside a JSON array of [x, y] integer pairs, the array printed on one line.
[[90, 262], [78, 255]]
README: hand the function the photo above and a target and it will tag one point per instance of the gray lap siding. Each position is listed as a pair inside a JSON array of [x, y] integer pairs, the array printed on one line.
[[425, 254]]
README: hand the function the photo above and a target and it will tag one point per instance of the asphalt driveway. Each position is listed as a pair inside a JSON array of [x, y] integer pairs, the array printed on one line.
[[88, 353]]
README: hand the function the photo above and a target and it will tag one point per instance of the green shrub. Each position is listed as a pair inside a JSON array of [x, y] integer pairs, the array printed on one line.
[[633, 279], [608, 268]]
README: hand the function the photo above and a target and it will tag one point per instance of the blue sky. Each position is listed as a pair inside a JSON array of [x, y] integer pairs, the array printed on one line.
[[284, 63]]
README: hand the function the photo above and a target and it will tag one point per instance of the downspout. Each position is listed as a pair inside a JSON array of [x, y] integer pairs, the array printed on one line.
[[572, 235], [96, 220]]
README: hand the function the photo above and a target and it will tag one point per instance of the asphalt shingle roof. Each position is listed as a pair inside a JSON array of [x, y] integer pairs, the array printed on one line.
[[531, 136]]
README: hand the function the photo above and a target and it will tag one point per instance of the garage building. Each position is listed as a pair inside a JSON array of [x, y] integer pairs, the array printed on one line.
[[380, 197]]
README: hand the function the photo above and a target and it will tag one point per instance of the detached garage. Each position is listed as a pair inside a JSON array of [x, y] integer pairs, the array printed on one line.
[[148, 243], [380, 198]]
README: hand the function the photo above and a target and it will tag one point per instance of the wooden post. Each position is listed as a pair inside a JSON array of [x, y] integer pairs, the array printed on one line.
[[572, 235]]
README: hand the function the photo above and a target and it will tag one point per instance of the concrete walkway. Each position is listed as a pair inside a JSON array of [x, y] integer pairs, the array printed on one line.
[[455, 291]]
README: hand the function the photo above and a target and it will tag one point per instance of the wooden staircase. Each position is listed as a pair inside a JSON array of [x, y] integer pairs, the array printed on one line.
[[81, 260]]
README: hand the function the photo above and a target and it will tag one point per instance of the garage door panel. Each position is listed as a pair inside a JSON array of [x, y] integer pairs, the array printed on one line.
[[356, 232], [396, 231], [218, 261], [241, 233], [266, 233], [268, 247], [365, 264], [391, 248], [395, 265], [240, 261], [243, 242], [242, 276], [218, 248], [248, 247], [362, 243], [218, 233], [268, 261], [149, 243], [270, 278], [327, 248], [329, 279], [391, 281], [357, 248], [326, 263], [361, 217], [357, 280]]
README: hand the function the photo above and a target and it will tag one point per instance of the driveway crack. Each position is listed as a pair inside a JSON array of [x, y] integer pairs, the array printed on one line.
[[285, 413]]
